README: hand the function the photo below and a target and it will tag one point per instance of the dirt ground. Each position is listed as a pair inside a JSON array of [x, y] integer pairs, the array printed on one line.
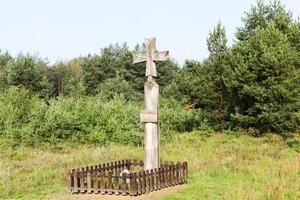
[[149, 196]]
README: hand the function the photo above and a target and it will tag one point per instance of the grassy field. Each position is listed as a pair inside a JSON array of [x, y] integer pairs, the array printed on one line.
[[222, 166]]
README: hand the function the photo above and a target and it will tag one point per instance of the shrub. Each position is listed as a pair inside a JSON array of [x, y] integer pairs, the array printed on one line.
[[27, 119]]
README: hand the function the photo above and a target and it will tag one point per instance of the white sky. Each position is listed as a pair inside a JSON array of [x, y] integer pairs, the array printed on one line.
[[63, 29]]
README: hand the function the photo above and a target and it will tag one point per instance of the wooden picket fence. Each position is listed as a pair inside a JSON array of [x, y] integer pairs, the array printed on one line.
[[109, 179]]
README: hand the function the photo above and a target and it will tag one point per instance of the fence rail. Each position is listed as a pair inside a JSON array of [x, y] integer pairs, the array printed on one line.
[[125, 177]]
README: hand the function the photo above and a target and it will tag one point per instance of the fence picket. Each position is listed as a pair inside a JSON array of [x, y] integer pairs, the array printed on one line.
[[124, 192], [69, 180], [96, 185], [109, 182], [88, 179], [186, 172], [159, 178], [151, 180], [131, 185], [143, 182], [180, 173], [170, 175], [75, 190], [177, 174], [116, 188], [102, 182], [166, 176], [139, 184], [147, 181], [82, 177]]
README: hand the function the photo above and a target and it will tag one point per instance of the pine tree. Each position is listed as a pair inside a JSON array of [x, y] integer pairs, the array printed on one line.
[[264, 81], [217, 47]]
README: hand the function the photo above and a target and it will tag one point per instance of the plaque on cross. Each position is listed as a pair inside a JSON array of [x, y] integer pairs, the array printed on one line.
[[150, 57]]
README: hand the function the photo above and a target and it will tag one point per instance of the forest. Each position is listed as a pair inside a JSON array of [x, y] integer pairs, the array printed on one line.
[[235, 115], [252, 86]]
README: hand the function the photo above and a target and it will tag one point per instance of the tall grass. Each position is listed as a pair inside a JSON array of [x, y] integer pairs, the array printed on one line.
[[221, 166]]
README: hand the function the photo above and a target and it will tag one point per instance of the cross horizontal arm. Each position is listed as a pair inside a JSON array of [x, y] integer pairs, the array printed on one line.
[[161, 56], [138, 57]]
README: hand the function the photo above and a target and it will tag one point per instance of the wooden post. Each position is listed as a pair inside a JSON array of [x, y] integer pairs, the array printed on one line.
[[124, 192], [151, 180], [155, 181], [139, 185], [102, 182], [96, 186], [151, 126], [150, 116], [69, 181], [117, 184], [82, 178], [75, 190], [134, 184], [147, 181], [109, 182], [89, 179]]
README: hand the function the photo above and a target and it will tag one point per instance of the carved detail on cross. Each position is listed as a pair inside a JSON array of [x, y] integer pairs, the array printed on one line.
[[150, 57]]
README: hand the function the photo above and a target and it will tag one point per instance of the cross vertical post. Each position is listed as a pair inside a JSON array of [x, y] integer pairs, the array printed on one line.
[[150, 114]]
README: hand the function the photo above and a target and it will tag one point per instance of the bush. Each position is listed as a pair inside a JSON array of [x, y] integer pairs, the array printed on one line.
[[15, 104], [173, 117], [27, 119]]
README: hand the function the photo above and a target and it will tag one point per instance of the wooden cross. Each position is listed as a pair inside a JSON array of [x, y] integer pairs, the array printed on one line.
[[150, 114], [150, 57]]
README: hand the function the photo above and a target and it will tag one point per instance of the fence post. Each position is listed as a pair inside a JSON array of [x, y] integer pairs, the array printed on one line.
[[170, 175], [96, 186], [82, 177], [186, 172], [139, 185], [102, 182], [69, 180], [177, 174], [131, 184], [116, 188], [119, 167], [75, 190], [167, 176], [135, 184], [180, 173], [109, 183], [159, 179], [151, 180], [147, 181], [124, 192], [155, 179], [88, 179], [162, 176], [143, 182]]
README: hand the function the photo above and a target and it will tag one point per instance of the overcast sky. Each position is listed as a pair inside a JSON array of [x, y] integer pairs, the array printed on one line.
[[63, 29]]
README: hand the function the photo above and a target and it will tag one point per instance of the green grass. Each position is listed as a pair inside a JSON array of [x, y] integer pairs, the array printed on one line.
[[220, 167]]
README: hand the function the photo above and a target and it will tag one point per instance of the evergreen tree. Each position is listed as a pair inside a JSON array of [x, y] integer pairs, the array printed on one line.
[[28, 71], [264, 81], [217, 47], [261, 15], [98, 68], [58, 77]]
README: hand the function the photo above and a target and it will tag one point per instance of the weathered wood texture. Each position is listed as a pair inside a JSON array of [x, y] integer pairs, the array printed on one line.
[[150, 57], [151, 131], [150, 115], [109, 179]]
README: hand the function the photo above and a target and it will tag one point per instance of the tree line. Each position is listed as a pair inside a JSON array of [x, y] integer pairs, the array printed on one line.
[[253, 85]]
